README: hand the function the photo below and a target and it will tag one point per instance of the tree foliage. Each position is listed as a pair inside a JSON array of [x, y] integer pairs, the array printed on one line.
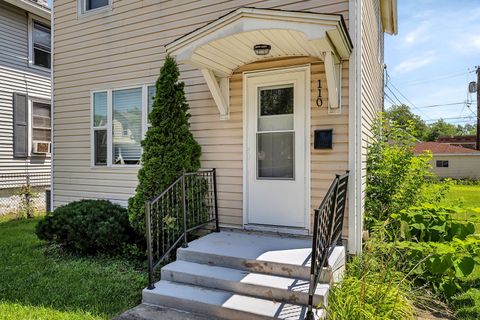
[[395, 176], [169, 147], [404, 117]]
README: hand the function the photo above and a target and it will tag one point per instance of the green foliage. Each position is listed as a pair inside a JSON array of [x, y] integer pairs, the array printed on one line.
[[429, 222], [27, 198], [371, 289], [396, 178], [87, 227], [43, 282], [404, 118], [168, 148], [467, 304]]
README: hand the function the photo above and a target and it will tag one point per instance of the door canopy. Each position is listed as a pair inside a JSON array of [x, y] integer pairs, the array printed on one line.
[[224, 45]]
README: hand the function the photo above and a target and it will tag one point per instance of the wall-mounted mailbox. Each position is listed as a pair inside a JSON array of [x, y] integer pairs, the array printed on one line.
[[322, 139]]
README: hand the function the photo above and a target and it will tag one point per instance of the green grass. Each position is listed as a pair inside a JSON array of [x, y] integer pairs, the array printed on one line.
[[467, 305], [38, 282], [468, 195]]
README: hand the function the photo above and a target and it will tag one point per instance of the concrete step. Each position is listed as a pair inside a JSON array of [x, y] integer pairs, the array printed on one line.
[[222, 304], [257, 253], [276, 288]]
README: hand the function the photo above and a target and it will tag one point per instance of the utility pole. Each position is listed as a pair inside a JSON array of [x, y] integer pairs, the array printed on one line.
[[478, 108]]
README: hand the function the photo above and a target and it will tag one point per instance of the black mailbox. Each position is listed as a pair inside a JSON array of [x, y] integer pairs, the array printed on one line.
[[322, 139]]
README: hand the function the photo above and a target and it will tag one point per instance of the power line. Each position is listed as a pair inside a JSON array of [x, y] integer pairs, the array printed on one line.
[[445, 104], [409, 102]]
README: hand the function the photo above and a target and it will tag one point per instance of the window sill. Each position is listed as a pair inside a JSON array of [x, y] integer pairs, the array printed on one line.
[[34, 66]]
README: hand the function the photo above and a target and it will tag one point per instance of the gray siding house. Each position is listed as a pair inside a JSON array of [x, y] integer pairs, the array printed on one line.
[[25, 93]]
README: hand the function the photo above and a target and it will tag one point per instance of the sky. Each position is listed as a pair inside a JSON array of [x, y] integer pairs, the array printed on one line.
[[433, 58]]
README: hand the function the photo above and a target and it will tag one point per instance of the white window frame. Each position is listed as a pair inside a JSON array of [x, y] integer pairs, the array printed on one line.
[[108, 125], [83, 12], [31, 100], [31, 19]]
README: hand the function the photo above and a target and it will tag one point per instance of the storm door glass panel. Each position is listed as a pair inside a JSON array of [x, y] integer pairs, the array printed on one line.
[[275, 135], [127, 126]]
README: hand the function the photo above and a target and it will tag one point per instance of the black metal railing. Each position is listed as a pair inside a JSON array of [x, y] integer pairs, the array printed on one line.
[[188, 204], [327, 232]]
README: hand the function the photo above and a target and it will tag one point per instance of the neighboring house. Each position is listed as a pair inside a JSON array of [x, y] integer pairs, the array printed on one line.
[[450, 161], [25, 97], [254, 73], [469, 141]]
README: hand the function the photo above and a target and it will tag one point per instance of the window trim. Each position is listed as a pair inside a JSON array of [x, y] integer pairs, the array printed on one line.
[[108, 125], [83, 12], [31, 19], [31, 100]]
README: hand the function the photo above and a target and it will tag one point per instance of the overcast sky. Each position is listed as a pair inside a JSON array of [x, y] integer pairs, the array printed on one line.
[[433, 57]]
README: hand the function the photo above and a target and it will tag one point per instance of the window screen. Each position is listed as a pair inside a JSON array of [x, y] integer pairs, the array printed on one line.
[[41, 122]]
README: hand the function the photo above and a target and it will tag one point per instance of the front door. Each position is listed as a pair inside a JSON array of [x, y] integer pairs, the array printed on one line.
[[276, 109]]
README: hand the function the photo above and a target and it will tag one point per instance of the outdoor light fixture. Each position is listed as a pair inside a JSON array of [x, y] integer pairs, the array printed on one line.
[[262, 49]]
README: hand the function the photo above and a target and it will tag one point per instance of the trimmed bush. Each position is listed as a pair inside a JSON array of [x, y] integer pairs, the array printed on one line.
[[169, 148], [87, 227]]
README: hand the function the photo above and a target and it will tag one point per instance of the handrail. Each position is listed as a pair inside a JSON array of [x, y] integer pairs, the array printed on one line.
[[327, 232], [188, 204]]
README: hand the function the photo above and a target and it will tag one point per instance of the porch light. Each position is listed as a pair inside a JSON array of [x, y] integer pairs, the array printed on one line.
[[262, 49]]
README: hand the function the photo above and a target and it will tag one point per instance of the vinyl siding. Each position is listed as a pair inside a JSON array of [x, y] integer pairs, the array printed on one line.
[[125, 46], [17, 76], [371, 76], [459, 166]]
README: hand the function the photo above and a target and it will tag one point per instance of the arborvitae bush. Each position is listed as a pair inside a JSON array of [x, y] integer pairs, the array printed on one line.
[[88, 227], [168, 148]]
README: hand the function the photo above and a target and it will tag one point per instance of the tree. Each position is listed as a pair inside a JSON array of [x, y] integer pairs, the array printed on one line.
[[169, 147], [403, 117], [442, 128]]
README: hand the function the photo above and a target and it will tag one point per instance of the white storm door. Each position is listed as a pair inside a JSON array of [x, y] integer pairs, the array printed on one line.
[[276, 137]]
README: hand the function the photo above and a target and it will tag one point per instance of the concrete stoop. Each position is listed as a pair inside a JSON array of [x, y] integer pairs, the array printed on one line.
[[240, 275]]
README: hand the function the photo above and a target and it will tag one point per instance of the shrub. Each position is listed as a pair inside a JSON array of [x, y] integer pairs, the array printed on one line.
[[87, 227], [396, 177], [168, 148], [438, 249], [371, 289]]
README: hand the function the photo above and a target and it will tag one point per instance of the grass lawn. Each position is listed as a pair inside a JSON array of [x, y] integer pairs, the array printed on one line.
[[37, 282], [468, 195]]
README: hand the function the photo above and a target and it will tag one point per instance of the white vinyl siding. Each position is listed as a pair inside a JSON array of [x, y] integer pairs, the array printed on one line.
[[126, 45], [16, 76]]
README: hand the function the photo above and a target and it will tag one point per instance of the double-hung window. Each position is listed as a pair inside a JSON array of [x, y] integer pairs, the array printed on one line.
[[40, 44], [91, 6], [119, 124]]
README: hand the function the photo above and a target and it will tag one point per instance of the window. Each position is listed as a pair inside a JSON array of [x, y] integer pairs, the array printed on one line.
[[40, 44], [41, 122], [100, 128], [442, 164], [87, 6], [119, 122]]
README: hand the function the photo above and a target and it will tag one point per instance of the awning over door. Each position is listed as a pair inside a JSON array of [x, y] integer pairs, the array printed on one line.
[[224, 45]]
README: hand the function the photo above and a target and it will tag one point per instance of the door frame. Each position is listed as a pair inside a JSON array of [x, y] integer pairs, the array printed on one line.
[[307, 121]]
